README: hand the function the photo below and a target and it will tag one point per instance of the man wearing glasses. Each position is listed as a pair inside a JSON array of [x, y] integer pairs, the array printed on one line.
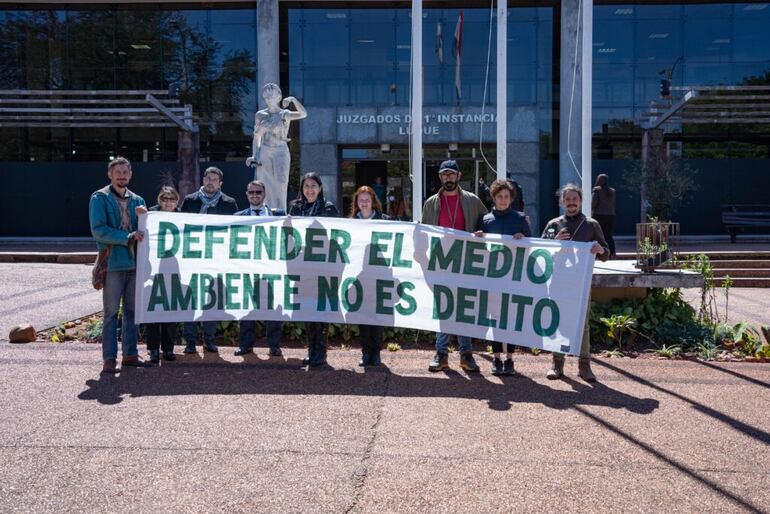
[[255, 193], [452, 207]]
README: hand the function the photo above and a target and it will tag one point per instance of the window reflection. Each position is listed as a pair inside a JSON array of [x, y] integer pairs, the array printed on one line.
[[209, 53]]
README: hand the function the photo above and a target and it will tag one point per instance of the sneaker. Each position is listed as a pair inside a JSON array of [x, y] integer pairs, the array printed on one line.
[[210, 347], [134, 361], [440, 361], [190, 348], [275, 352], [243, 351], [497, 366], [468, 363], [508, 367], [557, 368], [169, 356], [154, 356], [110, 367]]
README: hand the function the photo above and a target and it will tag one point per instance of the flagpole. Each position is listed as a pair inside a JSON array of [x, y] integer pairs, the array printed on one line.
[[586, 88], [416, 113], [502, 90]]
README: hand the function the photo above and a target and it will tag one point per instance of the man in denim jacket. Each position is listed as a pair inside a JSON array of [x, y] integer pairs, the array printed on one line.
[[112, 214]]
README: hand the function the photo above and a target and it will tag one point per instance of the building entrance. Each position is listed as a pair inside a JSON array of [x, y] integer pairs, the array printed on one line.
[[363, 167]]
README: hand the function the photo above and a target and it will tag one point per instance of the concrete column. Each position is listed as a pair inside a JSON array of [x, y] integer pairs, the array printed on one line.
[[570, 93], [188, 155], [323, 159], [268, 58]]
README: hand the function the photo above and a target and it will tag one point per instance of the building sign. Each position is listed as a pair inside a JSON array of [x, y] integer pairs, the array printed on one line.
[[432, 123]]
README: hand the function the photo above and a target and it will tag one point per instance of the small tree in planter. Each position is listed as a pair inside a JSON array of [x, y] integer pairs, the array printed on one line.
[[655, 244]]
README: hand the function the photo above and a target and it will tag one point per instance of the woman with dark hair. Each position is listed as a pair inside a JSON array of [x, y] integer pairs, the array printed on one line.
[[367, 206], [310, 202], [162, 336], [503, 219], [603, 198]]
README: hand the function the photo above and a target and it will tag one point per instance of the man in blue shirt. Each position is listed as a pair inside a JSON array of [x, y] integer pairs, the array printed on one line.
[[113, 220]]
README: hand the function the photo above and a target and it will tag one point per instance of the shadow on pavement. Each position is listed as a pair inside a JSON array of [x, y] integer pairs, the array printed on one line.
[[287, 378], [734, 374], [692, 473], [746, 429]]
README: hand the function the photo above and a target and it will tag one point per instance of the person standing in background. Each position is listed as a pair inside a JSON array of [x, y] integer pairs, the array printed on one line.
[[603, 199]]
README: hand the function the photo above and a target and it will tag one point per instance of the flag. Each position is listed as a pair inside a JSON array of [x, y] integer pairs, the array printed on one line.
[[457, 51], [440, 42]]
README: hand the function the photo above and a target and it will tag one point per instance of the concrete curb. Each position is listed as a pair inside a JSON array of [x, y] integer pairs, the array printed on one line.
[[49, 257]]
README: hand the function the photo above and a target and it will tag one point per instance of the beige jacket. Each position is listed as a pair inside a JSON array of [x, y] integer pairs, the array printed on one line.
[[473, 209]]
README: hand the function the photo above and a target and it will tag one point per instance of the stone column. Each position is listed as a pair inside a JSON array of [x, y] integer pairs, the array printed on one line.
[[268, 58], [188, 155], [653, 155], [323, 159], [570, 125]]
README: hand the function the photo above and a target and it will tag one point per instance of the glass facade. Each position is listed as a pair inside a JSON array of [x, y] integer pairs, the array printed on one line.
[[209, 54], [707, 44], [361, 57], [357, 55]]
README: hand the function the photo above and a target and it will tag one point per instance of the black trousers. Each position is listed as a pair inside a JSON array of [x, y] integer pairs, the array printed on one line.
[[161, 335], [498, 347], [316, 334], [608, 227], [371, 338]]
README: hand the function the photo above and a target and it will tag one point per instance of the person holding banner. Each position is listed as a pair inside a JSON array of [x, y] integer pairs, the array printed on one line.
[[114, 225], [504, 220], [162, 336], [208, 200], [367, 206], [452, 207], [576, 226], [311, 202], [256, 193]]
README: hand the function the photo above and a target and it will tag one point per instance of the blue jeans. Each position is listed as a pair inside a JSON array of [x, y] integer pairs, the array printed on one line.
[[119, 285], [248, 335], [190, 331], [442, 343]]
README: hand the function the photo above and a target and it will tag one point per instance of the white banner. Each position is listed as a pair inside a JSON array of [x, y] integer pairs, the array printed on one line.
[[531, 292]]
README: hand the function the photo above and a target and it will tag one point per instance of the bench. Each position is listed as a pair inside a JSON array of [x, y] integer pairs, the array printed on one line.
[[745, 216]]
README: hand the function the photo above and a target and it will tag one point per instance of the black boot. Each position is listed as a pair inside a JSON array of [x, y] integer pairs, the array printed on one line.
[[375, 359], [319, 357], [366, 358], [310, 353]]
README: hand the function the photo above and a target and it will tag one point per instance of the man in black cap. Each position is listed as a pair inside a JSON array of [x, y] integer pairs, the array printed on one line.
[[208, 200], [452, 207]]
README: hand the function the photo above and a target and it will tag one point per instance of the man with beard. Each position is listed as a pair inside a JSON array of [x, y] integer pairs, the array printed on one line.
[[575, 226], [452, 207], [113, 219], [209, 199]]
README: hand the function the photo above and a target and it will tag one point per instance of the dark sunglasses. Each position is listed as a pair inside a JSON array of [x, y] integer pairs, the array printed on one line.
[[260, 192]]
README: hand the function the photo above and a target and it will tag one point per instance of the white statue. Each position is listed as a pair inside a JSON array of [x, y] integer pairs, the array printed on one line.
[[270, 151]]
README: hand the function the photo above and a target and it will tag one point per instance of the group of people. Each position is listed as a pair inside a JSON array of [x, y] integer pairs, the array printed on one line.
[[114, 211]]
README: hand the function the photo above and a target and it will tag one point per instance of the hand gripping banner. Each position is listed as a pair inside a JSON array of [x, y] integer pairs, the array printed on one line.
[[530, 292]]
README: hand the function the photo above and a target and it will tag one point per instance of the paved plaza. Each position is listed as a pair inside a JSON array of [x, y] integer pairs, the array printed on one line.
[[223, 433]]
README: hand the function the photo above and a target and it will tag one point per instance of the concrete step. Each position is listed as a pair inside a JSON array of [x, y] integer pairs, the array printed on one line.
[[714, 256], [746, 282], [743, 263], [742, 272]]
